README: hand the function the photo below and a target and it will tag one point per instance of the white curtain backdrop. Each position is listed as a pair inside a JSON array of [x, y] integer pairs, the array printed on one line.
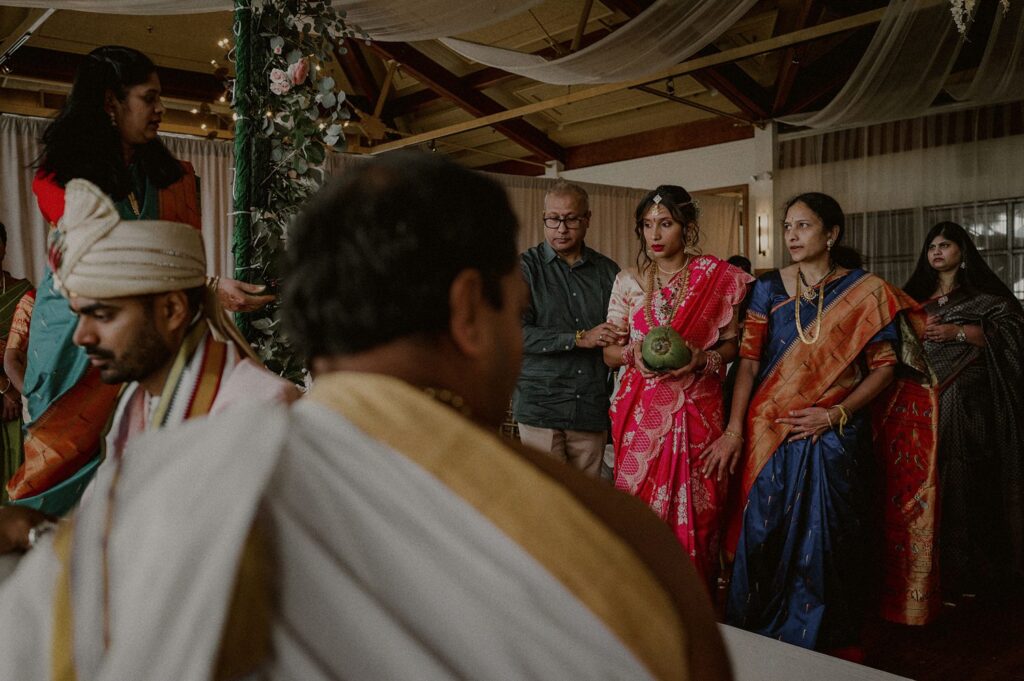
[[896, 180], [26, 229], [664, 34], [909, 61], [389, 20]]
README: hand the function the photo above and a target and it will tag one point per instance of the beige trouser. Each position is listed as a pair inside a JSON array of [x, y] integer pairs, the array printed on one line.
[[581, 449]]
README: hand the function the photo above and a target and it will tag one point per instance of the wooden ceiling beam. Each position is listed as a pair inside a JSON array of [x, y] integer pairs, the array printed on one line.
[[60, 67], [735, 84], [702, 133], [687, 67], [484, 78], [355, 67], [729, 80], [439, 79], [792, 57]]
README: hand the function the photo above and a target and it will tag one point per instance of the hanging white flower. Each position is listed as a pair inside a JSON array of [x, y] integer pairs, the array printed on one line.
[[963, 12]]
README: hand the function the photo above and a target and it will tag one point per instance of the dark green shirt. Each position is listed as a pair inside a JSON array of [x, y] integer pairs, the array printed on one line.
[[562, 386]]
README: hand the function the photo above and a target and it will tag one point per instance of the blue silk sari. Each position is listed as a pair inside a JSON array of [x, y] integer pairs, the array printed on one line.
[[799, 539]]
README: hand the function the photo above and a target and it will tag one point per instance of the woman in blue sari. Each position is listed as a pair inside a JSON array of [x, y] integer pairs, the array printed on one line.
[[797, 531]]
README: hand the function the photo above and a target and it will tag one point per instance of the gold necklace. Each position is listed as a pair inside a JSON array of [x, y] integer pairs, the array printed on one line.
[[674, 272], [134, 203], [796, 304], [812, 291], [447, 397], [944, 295], [670, 308]]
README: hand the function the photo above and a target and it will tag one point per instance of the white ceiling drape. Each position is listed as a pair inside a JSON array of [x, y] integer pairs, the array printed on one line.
[[386, 20], [909, 61], [1000, 76], [664, 34], [901, 72]]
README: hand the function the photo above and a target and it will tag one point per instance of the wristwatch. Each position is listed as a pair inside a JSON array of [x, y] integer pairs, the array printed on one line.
[[579, 336], [37, 531], [961, 335]]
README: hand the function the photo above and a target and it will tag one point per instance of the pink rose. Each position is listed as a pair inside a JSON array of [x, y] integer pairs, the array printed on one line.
[[280, 88], [298, 72], [278, 76], [277, 50]]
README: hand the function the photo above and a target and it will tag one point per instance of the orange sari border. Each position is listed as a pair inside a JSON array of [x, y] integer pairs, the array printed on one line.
[[799, 379], [905, 427]]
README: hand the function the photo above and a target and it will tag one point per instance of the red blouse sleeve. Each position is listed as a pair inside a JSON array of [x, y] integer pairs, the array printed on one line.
[[49, 195]]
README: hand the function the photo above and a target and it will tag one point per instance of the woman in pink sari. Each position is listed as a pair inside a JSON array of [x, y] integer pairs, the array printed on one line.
[[663, 421]]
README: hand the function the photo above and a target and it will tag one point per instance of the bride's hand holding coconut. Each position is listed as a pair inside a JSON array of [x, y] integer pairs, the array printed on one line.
[[667, 354]]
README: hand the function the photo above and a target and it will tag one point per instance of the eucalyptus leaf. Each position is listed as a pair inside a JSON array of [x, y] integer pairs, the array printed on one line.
[[326, 84], [315, 153], [329, 100]]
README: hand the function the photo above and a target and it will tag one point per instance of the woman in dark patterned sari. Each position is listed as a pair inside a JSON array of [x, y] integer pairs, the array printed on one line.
[[974, 342]]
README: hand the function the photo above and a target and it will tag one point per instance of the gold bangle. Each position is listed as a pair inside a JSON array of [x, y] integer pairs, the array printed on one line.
[[828, 415], [844, 416], [733, 434]]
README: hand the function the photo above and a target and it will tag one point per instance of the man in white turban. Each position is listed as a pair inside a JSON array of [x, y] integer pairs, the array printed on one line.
[[147, 319]]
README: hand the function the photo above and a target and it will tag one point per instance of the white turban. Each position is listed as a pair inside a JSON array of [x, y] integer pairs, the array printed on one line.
[[98, 255]]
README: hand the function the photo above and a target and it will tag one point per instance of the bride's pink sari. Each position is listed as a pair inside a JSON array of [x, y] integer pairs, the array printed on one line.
[[661, 426]]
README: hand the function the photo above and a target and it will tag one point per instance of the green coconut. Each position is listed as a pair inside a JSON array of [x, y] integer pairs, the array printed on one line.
[[664, 350]]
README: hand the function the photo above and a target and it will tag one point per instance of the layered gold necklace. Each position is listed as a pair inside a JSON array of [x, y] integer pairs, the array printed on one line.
[[817, 290], [668, 310]]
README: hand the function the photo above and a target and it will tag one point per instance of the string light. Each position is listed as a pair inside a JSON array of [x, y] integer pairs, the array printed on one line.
[[203, 126], [222, 99], [194, 110]]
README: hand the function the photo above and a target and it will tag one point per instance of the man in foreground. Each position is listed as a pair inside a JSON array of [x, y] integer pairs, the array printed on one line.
[[399, 536]]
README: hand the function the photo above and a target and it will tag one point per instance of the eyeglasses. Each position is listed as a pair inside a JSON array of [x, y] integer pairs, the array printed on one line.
[[570, 221]]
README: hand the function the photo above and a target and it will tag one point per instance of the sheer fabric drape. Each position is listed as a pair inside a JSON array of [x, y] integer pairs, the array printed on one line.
[[662, 35], [909, 62], [26, 229], [395, 20]]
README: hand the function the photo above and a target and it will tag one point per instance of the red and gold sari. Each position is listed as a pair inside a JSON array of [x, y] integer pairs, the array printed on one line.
[[661, 425]]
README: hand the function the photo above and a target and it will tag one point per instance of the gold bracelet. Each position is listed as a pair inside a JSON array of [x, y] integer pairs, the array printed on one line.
[[844, 416], [8, 387], [579, 336], [733, 434], [828, 415]]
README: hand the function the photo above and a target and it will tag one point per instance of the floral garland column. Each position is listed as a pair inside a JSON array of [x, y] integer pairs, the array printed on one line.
[[288, 112]]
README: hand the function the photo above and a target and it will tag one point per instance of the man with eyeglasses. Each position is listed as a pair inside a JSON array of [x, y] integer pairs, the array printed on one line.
[[561, 400]]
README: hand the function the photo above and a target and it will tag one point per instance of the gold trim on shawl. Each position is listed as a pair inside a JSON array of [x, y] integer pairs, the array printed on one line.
[[62, 657], [579, 551]]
